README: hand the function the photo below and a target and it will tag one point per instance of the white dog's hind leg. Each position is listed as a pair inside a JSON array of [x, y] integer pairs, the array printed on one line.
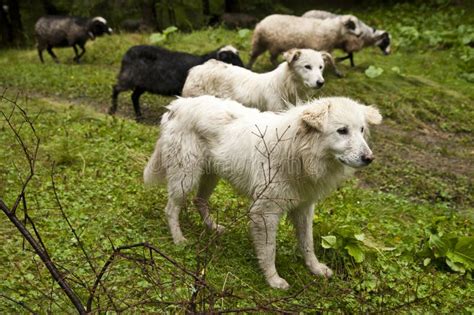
[[263, 227], [207, 184], [173, 208], [180, 186], [302, 219]]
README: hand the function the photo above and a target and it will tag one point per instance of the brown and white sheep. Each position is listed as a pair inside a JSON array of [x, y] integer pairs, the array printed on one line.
[[278, 33], [370, 36]]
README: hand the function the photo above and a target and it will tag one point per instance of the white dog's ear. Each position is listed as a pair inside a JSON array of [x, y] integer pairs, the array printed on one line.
[[317, 117], [328, 59], [373, 115], [292, 55]]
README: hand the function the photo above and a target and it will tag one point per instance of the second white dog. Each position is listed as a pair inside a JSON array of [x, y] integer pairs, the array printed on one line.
[[285, 162], [275, 90]]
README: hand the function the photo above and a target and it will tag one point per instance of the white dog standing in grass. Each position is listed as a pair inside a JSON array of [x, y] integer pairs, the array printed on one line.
[[276, 90], [285, 162]]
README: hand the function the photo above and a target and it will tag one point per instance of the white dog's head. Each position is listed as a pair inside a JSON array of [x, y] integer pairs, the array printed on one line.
[[308, 65], [342, 125]]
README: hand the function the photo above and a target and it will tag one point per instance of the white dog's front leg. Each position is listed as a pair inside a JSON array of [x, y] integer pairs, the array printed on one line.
[[302, 219], [264, 229]]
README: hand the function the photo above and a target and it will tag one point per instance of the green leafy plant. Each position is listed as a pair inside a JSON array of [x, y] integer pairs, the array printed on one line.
[[157, 38], [454, 251], [244, 32], [352, 242], [373, 72]]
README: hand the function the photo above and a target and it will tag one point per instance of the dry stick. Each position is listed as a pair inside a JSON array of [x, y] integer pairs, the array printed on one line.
[[26, 307], [76, 236], [433, 293], [38, 246], [117, 251], [42, 253], [31, 158]]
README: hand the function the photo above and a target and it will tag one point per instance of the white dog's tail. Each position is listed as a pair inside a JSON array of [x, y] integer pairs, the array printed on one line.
[[155, 173]]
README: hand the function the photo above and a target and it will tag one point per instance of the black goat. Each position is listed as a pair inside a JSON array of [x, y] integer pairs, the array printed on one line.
[[67, 31], [161, 71]]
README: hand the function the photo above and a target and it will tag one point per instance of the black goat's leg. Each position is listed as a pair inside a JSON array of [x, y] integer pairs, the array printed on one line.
[[40, 54], [76, 54], [83, 51], [135, 100], [116, 89], [351, 58], [51, 53]]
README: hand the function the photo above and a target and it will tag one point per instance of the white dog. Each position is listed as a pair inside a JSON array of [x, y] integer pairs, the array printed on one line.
[[275, 90], [284, 161]]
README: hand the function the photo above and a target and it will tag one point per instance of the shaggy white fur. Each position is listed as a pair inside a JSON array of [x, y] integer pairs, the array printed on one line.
[[285, 162], [275, 90]]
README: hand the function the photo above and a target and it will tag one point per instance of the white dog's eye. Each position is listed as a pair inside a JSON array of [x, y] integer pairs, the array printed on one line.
[[320, 67], [362, 129], [343, 131], [308, 67]]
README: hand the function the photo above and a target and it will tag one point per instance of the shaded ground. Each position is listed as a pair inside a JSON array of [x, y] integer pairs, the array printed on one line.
[[419, 187]]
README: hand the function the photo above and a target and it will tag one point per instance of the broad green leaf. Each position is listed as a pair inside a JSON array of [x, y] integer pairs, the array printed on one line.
[[455, 266], [157, 38], [170, 29], [359, 237], [439, 247], [373, 72], [374, 245], [426, 261], [244, 32], [356, 252], [329, 241], [463, 252]]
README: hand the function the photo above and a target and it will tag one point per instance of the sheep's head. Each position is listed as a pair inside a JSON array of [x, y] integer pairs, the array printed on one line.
[[359, 35], [382, 40], [229, 54], [351, 25], [307, 65], [98, 27]]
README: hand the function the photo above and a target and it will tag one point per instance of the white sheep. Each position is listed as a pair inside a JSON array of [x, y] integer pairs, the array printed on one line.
[[278, 33], [273, 91], [369, 35], [319, 14]]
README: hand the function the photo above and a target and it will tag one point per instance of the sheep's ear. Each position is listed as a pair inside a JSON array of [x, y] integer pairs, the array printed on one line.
[[316, 118], [372, 115], [224, 55], [292, 55], [349, 23]]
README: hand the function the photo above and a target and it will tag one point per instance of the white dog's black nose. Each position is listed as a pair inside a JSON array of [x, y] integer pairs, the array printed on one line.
[[367, 158], [319, 83]]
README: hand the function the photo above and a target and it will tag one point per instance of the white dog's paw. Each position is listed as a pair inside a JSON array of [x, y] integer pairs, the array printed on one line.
[[277, 282], [179, 239], [321, 270]]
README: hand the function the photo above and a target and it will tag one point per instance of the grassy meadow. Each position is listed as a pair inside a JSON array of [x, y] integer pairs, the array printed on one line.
[[399, 236]]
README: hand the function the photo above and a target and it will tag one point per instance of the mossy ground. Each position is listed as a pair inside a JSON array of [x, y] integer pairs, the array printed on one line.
[[421, 179]]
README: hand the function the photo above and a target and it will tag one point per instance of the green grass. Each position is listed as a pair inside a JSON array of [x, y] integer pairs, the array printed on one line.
[[420, 185]]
